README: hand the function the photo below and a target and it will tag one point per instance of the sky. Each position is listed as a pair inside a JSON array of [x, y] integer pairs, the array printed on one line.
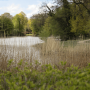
[[29, 7]]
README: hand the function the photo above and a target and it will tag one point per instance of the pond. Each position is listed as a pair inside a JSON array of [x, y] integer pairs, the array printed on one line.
[[17, 48]]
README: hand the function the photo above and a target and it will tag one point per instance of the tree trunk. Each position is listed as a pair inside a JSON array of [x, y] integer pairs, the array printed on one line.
[[4, 34]]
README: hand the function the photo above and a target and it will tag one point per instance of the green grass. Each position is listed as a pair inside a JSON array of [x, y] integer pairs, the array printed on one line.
[[45, 78], [71, 43], [29, 34], [67, 43]]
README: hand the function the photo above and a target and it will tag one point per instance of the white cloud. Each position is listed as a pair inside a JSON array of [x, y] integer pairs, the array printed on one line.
[[14, 8], [32, 13], [50, 4], [33, 9]]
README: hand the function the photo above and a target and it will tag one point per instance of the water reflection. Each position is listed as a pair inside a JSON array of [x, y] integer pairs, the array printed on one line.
[[20, 41], [19, 48]]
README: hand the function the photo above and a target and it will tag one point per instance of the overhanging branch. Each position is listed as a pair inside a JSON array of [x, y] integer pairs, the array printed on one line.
[[81, 4]]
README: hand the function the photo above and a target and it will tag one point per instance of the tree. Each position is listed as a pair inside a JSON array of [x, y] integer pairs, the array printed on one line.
[[78, 20], [84, 3], [29, 24], [7, 15], [6, 25], [63, 15], [37, 22], [20, 21], [23, 19], [51, 27], [87, 28], [47, 9]]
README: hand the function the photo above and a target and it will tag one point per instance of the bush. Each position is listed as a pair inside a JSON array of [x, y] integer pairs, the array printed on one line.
[[46, 78]]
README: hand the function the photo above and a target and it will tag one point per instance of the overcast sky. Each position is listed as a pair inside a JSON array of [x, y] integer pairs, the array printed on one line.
[[29, 7]]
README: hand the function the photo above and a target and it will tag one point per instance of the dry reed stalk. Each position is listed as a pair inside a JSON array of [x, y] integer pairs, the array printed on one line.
[[15, 53], [51, 52]]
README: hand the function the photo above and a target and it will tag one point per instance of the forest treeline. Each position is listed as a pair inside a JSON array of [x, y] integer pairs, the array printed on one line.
[[13, 26], [69, 19]]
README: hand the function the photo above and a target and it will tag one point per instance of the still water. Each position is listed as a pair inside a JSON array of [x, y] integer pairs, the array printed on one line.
[[17, 48]]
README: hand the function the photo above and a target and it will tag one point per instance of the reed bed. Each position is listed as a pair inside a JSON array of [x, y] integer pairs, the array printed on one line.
[[51, 52], [17, 53]]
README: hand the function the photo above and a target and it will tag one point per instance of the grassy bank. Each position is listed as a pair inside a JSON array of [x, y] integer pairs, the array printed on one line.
[[63, 65]]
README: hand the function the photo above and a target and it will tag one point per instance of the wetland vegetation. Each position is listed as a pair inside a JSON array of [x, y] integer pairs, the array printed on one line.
[[61, 67], [29, 63]]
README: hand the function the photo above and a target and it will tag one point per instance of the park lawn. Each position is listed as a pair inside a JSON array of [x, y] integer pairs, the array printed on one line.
[[29, 34]]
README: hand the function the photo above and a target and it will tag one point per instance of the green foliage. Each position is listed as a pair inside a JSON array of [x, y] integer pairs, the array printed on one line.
[[69, 21], [58, 24], [63, 63], [48, 79], [79, 20], [51, 27], [19, 21], [6, 26], [10, 62], [87, 27], [37, 22], [62, 16]]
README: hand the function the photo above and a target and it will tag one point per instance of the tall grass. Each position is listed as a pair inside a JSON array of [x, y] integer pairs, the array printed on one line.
[[73, 52], [51, 52], [7, 52]]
